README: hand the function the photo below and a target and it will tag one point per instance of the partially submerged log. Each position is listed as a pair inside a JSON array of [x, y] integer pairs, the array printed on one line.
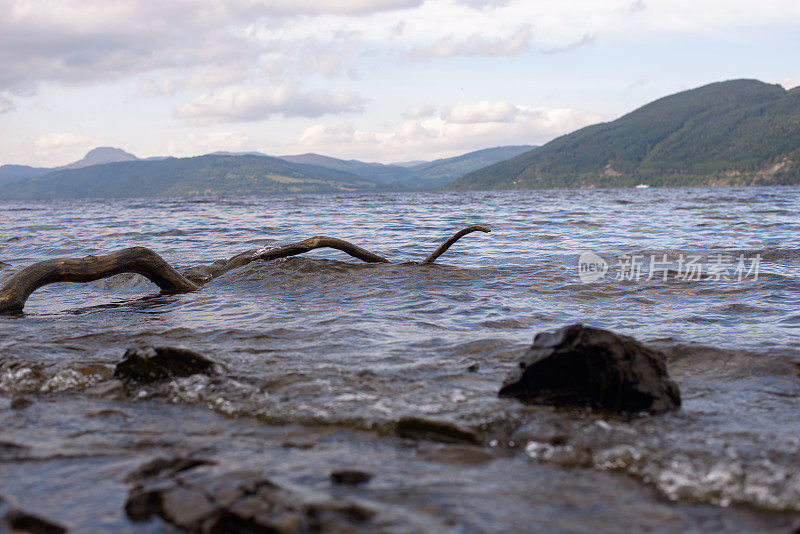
[[138, 260], [145, 262]]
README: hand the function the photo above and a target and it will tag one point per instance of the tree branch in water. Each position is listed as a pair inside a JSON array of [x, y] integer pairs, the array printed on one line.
[[145, 262], [138, 260]]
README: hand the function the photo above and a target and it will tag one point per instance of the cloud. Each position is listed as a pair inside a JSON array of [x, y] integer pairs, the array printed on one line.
[[474, 45], [313, 55], [76, 43], [484, 4], [481, 112], [463, 128], [6, 104], [586, 40], [335, 7], [256, 102], [636, 7], [419, 110], [195, 144], [58, 144]]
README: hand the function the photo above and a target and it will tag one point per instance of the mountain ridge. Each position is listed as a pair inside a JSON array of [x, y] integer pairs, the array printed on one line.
[[737, 132]]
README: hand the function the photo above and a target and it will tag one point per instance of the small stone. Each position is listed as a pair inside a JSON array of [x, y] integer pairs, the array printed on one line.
[[585, 366], [417, 428], [473, 368], [350, 477], [152, 364], [20, 403]]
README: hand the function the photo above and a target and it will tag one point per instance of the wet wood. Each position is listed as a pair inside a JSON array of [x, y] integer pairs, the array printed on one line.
[[458, 235], [145, 262], [140, 260]]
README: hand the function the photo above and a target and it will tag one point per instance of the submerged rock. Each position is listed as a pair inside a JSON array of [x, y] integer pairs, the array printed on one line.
[[205, 500], [13, 519], [441, 431], [151, 364], [350, 477], [581, 365]]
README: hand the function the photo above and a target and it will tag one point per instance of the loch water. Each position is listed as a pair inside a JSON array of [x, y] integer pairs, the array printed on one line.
[[323, 355]]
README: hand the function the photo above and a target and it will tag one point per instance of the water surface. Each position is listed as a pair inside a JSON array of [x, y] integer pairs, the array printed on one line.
[[323, 355]]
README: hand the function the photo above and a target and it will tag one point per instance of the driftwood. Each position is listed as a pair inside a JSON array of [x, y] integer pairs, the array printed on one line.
[[145, 262]]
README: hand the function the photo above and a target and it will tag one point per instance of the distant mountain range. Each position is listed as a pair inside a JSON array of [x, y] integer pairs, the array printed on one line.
[[740, 132], [111, 172]]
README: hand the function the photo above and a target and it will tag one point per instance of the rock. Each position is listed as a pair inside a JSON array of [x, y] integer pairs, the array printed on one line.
[[473, 368], [15, 520], [20, 403], [350, 477], [417, 428], [164, 467], [204, 499], [110, 390], [151, 364], [581, 365]]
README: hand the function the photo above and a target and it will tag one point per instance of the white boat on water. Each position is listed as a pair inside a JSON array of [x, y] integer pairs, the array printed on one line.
[[642, 186]]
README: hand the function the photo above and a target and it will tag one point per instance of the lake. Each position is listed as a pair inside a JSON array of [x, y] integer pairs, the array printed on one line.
[[323, 356]]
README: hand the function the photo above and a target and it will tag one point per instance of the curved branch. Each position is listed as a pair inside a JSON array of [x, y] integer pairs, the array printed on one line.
[[458, 235], [144, 261], [140, 260], [208, 273]]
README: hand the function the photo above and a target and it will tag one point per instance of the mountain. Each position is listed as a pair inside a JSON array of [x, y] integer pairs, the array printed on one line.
[[16, 173], [97, 156], [203, 175], [378, 172], [443, 171], [739, 132], [420, 175], [100, 156]]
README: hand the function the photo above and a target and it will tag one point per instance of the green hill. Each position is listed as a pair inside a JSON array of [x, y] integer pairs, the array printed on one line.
[[740, 132], [203, 175], [425, 175]]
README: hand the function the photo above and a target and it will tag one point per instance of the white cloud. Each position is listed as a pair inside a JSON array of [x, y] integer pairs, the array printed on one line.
[[474, 45], [256, 102], [419, 110], [484, 4], [586, 40], [57, 142], [475, 126], [196, 144], [6, 104], [481, 112], [313, 55]]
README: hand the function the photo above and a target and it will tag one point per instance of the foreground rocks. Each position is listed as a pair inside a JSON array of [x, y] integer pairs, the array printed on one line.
[[200, 498], [585, 366], [152, 364], [13, 519]]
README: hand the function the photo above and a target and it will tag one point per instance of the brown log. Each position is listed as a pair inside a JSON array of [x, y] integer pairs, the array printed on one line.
[[20, 285], [458, 235], [141, 260]]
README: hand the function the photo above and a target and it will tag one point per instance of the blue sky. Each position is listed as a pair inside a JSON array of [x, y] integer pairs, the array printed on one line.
[[379, 80]]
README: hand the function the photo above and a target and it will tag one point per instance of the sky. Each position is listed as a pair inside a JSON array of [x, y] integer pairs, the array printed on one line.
[[375, 80]]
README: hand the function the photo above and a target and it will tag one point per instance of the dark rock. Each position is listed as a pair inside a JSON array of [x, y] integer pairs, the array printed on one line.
[[151, 364], [206, 500], [350, 477], [165, 467], [416, 428], [581, 365], [20, 403], [473, 368], [15, 520]]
